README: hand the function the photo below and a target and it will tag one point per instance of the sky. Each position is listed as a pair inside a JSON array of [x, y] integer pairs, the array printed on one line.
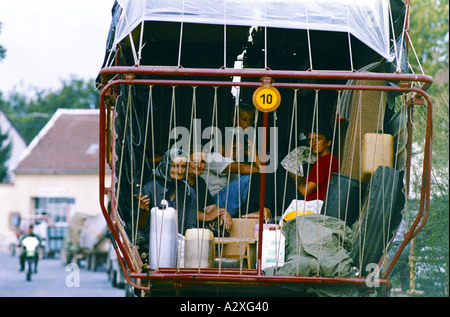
[[48, 41]]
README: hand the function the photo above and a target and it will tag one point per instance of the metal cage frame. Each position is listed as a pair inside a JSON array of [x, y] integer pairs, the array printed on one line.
[[177, 280]]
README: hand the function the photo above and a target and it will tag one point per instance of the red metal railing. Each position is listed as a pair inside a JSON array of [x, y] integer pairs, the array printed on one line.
[[248, 276]]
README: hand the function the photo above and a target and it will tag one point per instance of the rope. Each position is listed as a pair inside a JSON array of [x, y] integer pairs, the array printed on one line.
[[398, 69], [144, 151], [133, 50], [415, 54], [309, 38], [349, 40], [131, 167], [328, 184], [236, 118], [253, 157], [402, 115], [140, 43], [122, 155], [362, 215], [214, 119], [181, 35], [172, 113], [315, 115], [352, 141], [403, 35], [290, 143], [265, 35], [225, 35], [339, 183]]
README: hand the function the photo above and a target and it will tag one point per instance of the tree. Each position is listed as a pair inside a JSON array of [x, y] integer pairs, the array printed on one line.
[[429, 255], [430, 260], [5, 153], [431, 250], [2, 49], [5, 149], [29, 115], [429, 30]]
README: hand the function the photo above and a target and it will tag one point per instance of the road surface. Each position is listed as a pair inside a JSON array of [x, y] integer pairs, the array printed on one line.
[[53, 280]]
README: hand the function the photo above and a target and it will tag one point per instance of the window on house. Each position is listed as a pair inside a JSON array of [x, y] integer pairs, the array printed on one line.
[[57, 208]]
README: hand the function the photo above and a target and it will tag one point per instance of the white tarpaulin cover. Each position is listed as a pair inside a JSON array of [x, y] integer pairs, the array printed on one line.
[[367, 20]]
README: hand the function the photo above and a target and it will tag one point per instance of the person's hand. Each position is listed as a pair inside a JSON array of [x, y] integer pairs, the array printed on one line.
[[209, 209], [255, 215], [226, 220], [143, 201], [211, 212]]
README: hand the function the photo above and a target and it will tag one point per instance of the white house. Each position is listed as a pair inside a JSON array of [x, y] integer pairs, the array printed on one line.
[[57, 173]]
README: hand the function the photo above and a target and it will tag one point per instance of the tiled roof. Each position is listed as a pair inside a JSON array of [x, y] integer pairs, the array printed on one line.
[[67, 144]]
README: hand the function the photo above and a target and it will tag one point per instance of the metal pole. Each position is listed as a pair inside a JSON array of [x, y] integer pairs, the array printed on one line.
[[262, 189]]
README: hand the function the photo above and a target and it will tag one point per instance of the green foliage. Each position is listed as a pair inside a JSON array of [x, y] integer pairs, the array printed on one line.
[[5, 153], [429, 30], [30, 115], [429, 258], [431, 251], [440, 165], [2, 49]]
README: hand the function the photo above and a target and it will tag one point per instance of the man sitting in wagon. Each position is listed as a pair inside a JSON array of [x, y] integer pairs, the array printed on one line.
[[314, 185], [230, 175]]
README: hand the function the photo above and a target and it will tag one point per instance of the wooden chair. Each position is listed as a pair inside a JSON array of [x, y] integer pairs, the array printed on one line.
[[240, 244]]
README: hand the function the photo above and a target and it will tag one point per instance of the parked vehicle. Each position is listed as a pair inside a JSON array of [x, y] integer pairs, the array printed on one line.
[[115, 273], [86, 241], [55, 239]]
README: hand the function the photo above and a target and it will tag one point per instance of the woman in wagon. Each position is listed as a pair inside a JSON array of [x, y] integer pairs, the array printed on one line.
[[209, 215], [168, 184]]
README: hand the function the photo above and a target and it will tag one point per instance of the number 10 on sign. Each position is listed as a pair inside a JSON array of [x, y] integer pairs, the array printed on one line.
[[266, 99]]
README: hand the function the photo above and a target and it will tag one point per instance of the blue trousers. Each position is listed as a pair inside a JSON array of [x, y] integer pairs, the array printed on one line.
[[237, 196]]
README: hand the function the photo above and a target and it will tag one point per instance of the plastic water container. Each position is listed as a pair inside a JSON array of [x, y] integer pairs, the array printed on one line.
[[377, 150], [199, 248], [163, 236], [180, 251], [266, 226], [273, 246]]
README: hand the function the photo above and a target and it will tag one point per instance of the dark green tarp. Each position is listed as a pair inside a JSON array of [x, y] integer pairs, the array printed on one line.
[[319, 245]]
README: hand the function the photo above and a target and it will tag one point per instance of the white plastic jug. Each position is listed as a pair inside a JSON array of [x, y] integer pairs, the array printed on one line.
[[273, 247], [163, 236], [199, 248]]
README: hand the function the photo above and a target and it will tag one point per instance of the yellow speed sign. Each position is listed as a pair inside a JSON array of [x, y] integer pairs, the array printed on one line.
[[266, 98]]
